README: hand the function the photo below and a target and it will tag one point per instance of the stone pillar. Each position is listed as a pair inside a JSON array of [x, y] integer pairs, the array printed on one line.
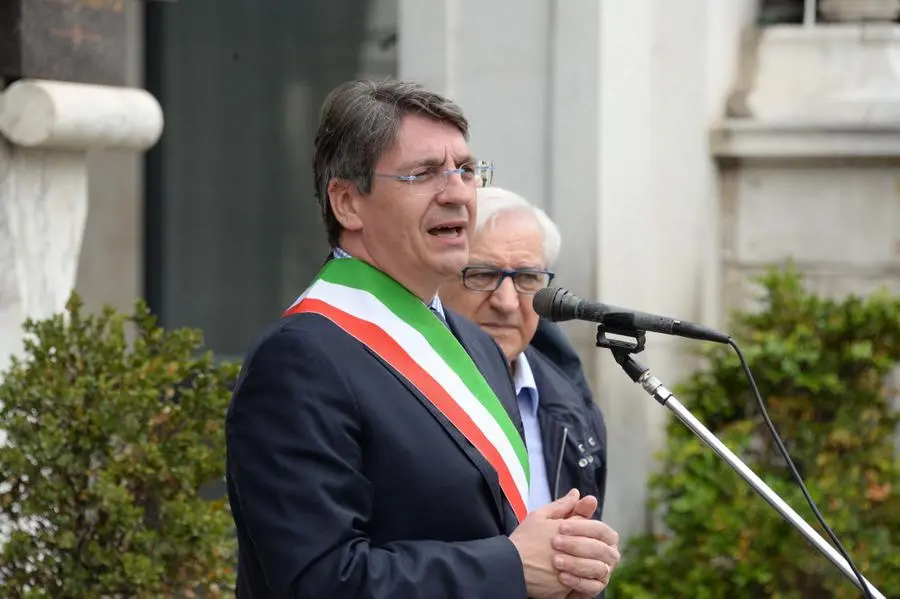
[[68, 96], [48, 128]]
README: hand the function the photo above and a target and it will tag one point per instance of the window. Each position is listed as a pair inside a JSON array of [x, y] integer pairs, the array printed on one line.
[[233, 233]]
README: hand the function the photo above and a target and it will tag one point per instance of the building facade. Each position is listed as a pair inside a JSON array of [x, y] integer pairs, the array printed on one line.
[[679, 147]]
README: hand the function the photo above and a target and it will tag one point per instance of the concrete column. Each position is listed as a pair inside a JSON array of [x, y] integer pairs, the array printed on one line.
[[626, 260], [666, 69], [574, 166]]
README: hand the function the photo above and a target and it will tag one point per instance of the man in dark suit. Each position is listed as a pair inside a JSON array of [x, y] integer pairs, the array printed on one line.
[[550, 340], [374, 447], [513, 248]]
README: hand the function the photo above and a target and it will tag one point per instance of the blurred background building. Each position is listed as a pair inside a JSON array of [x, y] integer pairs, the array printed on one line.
[[680, 146]]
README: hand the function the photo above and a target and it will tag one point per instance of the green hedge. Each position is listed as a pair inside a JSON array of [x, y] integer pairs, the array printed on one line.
[[822, 367], [109, 440]]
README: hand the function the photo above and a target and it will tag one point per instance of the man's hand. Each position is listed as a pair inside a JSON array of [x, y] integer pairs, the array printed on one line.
[[584, 549], [534, 540], [581, 542], [584, 507]]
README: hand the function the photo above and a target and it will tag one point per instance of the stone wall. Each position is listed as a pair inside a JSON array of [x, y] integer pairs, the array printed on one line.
[[810, 160]]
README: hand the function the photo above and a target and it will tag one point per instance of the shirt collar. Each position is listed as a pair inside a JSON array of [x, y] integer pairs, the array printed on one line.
[[524, 379], [339, 252]]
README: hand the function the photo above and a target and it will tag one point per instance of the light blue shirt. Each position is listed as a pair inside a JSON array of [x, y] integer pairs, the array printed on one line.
[[435, 304], [528, 398]]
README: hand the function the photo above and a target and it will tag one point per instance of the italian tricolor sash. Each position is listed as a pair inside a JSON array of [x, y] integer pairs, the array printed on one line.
[[395, 324]]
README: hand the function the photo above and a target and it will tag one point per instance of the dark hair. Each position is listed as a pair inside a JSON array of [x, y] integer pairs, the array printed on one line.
[[358, 123]]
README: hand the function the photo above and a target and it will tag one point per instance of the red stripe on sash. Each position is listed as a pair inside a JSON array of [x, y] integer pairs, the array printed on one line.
[[390, 351]]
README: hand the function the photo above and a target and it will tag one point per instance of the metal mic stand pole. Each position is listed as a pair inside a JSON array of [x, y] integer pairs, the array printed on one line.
[[622, 351]]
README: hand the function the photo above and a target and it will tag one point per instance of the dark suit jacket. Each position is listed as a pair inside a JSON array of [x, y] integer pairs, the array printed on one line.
[[551, 341], [346, 483], [573, 432]]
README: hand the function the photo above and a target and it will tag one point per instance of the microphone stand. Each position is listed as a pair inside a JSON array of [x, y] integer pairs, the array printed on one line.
[[622, 351]]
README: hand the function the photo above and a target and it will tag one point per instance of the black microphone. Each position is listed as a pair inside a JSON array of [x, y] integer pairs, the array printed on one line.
[[557, 304]]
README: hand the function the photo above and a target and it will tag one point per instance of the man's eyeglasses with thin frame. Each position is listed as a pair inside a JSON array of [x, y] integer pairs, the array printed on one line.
[[526, 281], [432, 180]]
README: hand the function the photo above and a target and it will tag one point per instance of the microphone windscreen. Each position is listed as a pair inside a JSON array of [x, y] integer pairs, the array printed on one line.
[[543, 302]]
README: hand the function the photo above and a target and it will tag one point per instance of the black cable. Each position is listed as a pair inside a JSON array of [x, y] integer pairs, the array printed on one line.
[[787, 458]]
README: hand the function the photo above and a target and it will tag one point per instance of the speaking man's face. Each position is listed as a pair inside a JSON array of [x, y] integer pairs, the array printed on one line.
[[418, 232]]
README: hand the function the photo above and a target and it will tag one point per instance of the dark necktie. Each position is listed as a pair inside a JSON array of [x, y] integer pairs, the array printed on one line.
[[439, 316]]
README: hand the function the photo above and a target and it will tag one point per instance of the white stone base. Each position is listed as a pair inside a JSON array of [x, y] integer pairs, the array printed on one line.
[[43, 210]]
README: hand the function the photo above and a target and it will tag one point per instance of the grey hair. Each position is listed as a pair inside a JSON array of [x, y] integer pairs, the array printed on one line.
[[358, 123], [494, 202]]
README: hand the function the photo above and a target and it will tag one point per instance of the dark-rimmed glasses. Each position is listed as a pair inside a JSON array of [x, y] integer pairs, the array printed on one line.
[[432, 180], [526, 281]]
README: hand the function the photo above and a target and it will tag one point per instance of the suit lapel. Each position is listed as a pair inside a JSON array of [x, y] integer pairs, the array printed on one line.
[[474, 456], [504, 513], [507, 400]]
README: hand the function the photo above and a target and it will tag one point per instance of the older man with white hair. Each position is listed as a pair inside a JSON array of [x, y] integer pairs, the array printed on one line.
[[511, 257]]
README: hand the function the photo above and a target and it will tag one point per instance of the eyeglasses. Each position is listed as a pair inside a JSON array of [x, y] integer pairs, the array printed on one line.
[[527, 281], [432, 180]]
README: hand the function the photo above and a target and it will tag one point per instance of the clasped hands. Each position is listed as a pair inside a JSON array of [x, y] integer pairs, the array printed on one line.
[[566, 554]]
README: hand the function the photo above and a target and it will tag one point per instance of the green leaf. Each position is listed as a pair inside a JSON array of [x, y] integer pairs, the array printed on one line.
[[821, 366], [109, 438]]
